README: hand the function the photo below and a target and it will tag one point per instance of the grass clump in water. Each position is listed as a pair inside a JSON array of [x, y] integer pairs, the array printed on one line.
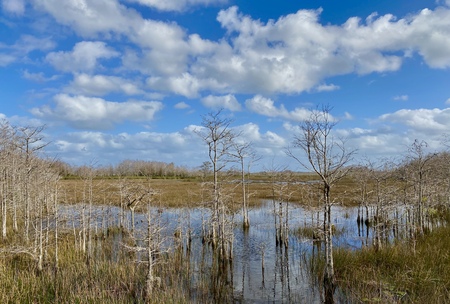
[[407, 272]]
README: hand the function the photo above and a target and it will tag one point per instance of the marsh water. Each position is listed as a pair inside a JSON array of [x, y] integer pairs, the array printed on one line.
[[262, 271]]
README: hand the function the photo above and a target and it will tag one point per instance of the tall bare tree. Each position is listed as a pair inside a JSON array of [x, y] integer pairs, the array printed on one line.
[[8, 159], [219, 138], [30, 142], [327, 156]]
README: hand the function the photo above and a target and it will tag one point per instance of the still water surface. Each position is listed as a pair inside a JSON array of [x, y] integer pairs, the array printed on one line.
[[262, 271]]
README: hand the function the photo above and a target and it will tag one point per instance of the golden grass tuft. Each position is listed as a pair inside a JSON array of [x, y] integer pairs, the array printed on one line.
[[398, 273]]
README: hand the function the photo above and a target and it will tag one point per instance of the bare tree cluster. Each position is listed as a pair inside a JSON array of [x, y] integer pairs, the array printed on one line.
[[28, 193], [406, 194], [131, 168]]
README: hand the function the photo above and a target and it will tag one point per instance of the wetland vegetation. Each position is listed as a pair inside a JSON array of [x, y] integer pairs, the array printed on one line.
[[151, 232]]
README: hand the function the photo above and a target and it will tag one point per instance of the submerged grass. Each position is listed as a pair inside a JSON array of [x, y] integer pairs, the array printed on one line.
[[404, 272]]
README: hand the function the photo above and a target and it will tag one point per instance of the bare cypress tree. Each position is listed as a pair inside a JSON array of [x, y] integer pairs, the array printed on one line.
[[275, 173], [122, 188], [134, 194], [383, 191], [56, 218], [284, 193], [17, 183], [11, 166], [218, 136], [243, 152], [30, 142], [327, 157], [152, 242], [362, 175], [419, 161], [87, 175], [149, 279], [5, 171]]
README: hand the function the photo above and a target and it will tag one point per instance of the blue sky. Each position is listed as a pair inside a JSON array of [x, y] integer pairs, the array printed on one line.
[[131, 79]]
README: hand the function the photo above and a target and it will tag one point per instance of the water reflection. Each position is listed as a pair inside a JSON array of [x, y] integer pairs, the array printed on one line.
[[261, 271]]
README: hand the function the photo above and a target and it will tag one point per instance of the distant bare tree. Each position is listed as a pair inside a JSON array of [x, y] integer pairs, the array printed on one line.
[[372, 180], [384, 196], [205, 169], [283, 190], [419, 161], [134, 195], [244, 152]]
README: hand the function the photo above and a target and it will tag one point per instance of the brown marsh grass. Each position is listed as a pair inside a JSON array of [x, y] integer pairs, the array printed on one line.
[[184, 192], [405, 272], [105, 280]]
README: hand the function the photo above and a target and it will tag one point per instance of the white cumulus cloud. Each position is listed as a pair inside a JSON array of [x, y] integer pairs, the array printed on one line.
[[226, 101], [292, 54], [428, 121], [83, 57], [186, 85], [90, 18], [265, 106], [99, 85], [93, 113]]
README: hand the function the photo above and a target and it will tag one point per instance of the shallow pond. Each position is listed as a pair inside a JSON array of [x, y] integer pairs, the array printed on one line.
[[262, 272]]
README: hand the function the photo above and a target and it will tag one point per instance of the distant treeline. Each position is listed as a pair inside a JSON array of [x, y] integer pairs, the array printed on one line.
[[135, 168]]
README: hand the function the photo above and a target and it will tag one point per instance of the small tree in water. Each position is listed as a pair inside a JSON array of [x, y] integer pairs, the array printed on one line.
[[242, 152], [327, 157]]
